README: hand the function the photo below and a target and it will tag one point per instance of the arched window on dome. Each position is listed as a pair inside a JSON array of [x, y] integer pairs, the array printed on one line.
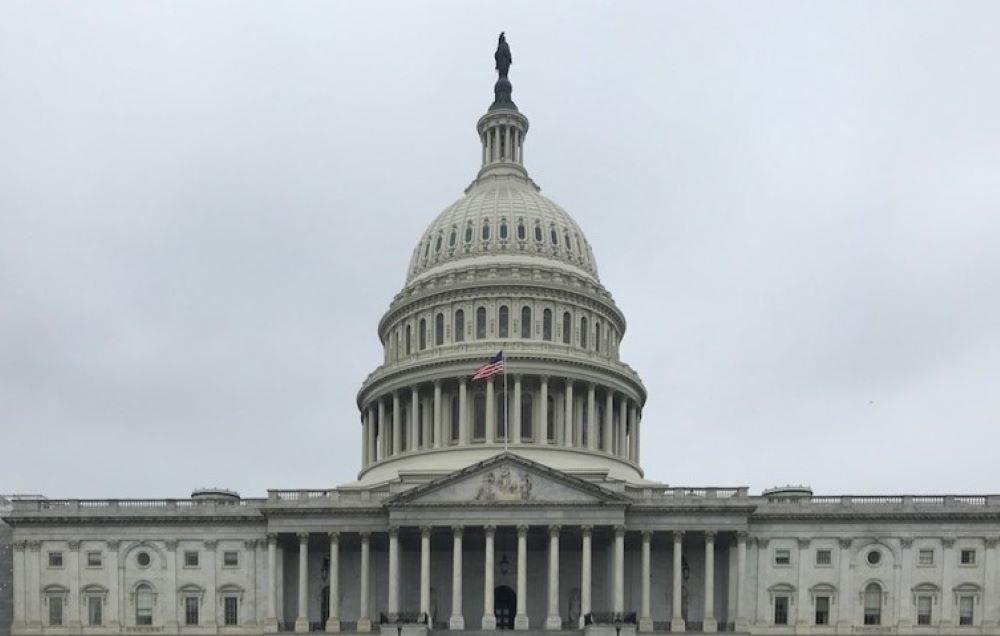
[[583, 332], [554, 236], [547, 324], [486, 229], [567, 242], [527, 426], [525, 322], [437, 244], [567, 329], [504, 322], [550, 419], [597, 336], [452, 237], [454, 418], [423, 334], [503, 229], [459, 325], [480, 323], [521, 232], [439, 329], [538, 233], [579, 247], [427, 249], [478, 416], [409, 340], [468, 233], [873, 604]]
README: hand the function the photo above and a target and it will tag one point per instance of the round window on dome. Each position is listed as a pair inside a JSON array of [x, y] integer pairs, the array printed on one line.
[[874, 557]]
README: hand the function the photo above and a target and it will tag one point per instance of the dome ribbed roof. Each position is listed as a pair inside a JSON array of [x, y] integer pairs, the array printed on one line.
[[503, 216]]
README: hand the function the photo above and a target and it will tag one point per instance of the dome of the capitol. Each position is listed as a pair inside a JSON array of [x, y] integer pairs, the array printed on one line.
[[503, 274], [502, 218]]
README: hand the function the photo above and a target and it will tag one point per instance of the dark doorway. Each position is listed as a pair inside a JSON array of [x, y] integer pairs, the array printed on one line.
[[504, 606]]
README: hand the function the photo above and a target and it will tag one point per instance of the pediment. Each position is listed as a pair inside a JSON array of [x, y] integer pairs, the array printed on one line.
[[508, 479]]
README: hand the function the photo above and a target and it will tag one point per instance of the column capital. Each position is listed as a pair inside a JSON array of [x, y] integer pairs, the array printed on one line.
[[490, 530], [742, 536], [647, 535], [522, 530], [365, 535], [591, 386], [516, 376], [250, 544], [393, 531], [619, 531], [907, 542], [803, 543], [425, 531], [112, 544], [74, 544], [586, 529], [34, 545], [991, 542], [211, 543], [554, 530], [710, 535], [543, 378], [845, 542], [762, 542], [678, 536], [303, 537], [947, 541], [272, 537], [437, 383], [333, 535], [458, 531]]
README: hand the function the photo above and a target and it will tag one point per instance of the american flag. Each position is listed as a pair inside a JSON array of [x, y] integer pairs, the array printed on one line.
[[490, 369]]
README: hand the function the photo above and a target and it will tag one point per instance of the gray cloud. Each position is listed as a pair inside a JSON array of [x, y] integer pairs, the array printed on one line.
[[204, 210]]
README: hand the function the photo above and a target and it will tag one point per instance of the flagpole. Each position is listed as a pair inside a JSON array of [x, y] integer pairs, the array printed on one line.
[[506, 406]]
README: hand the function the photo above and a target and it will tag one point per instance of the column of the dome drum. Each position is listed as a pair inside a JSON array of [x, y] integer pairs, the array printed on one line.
[[609, 411]]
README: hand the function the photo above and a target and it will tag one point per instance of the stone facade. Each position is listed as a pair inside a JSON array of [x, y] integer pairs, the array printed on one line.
[[517, 501]]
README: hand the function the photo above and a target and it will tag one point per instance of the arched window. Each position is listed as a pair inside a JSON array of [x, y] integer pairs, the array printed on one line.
[[538, 233], [451, 238], [567, 328], [486, 230], [480, 323], [459, 325], [504, 322], [547, 324], [454, 418], [409, 340], [583, 332], [597, 336], [567, 242], [468, 233], [144, 601], [527, 426], [873, 604], [525, 322], [439, 329], [423, 334], [554, 236], [427, 248], [437, 244], [550, 419], [521, 232], [503, 229], [479, 416]]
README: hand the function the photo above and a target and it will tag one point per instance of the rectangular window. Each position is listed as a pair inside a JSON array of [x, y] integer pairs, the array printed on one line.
[[191, 610], [55, 560], [824, 557], [965, 604], [231, 610], [926, 557], [190, 559], [55, 610], [230, 558], [923, 610], [782, 557], [968, 557], [94, 610], [822, 610], [94, 559], [780, 610]]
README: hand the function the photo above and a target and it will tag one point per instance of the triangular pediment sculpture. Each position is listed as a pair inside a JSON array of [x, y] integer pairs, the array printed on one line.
[[508, 479]]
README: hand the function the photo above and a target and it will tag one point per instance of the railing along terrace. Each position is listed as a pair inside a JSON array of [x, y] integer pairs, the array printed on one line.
[[862, 500], [714, 492], [111, 505]]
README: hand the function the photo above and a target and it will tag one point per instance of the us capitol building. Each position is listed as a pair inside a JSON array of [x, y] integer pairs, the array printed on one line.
[[455, 525]]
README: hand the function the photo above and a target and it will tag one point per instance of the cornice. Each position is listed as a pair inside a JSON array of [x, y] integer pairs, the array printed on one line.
[[877, 516], [130, 520]]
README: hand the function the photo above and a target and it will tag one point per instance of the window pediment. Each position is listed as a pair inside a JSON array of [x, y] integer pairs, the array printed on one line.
[[782, 589], [823, 589], [968, 589], [191, 589]]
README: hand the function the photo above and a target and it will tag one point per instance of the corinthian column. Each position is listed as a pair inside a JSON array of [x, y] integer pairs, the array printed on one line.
[[521, 618], [677, 618], [393, 601], [542, 434], [397, 421], [272, 589], [645, 618], [457, 620], [709, 624], [609, 421], [618, 581], [302, 619], [568, 415], [438, 433], [552, 619], [489, 618], [333, 621], [585, 574], [515, 414], [425, 573], [491, 412], [591, 417], [364, 616]]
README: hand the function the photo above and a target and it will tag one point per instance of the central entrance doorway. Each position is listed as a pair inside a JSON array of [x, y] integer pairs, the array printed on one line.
[[504, 606]]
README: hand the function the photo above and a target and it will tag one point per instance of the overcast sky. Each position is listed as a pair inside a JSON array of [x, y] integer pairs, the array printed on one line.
[[206, 207]]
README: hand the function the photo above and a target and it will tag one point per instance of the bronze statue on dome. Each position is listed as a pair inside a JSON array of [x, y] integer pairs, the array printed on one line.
[[502, 56]]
